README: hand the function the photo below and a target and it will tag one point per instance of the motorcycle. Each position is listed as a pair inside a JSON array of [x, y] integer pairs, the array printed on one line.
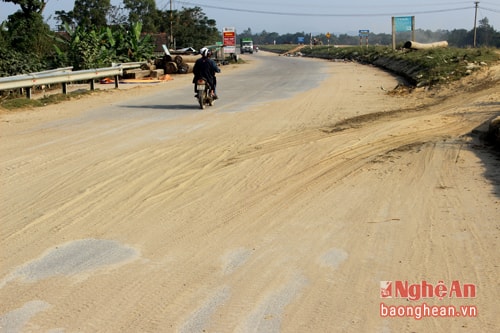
[[204, 94]]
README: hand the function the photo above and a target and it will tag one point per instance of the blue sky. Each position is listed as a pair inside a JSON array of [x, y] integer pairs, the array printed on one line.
[[320, 16]]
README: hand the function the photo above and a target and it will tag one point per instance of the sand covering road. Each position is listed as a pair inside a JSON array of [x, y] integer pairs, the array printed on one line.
[[284, 218]]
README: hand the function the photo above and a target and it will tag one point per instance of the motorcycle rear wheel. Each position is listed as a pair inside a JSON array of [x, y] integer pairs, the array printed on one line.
[[201, 99]]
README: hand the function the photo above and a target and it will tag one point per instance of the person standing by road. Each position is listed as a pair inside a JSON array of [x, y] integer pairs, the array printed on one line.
[[205, 67]]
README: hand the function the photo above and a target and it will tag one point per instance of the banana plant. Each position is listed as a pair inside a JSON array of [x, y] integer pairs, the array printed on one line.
[[135, 46]]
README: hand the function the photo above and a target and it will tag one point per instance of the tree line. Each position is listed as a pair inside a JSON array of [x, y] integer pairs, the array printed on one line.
[[96, 33], [486, 36]]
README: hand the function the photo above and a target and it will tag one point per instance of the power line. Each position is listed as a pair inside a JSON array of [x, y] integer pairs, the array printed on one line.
[[254, 11], [491, 9], [490, 3], [322, 6]]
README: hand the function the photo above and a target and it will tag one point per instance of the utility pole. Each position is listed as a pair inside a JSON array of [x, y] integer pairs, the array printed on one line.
[[475, 28], [171, 26]]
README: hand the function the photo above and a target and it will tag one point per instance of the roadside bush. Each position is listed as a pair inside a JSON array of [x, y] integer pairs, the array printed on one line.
[[14, 63]]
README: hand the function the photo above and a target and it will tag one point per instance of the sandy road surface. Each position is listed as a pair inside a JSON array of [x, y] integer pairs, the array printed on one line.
[[282, 218]]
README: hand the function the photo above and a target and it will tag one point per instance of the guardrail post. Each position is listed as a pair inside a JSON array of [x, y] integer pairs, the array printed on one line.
[[28, 92], [92, 85], [116, 81], [65, 88]]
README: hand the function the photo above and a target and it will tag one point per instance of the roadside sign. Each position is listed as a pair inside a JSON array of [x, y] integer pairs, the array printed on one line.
[[328, 35], [403, 23], [364, 33], [229, 49], [229, 37]]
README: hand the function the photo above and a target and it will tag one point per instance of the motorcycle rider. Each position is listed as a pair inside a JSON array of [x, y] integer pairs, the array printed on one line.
[[206, 68]]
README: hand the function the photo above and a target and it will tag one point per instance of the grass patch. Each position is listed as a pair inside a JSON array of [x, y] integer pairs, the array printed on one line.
[[21, 102], [420, 67]]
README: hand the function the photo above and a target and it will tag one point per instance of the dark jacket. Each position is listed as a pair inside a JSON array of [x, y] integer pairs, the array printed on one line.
[[205, 68]]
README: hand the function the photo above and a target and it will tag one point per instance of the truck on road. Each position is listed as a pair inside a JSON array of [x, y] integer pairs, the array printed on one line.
[[246, 45]]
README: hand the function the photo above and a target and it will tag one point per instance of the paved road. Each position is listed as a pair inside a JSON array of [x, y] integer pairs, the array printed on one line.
[[273, 78]]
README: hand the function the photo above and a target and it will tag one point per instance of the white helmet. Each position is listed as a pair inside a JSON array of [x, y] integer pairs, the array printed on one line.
[[204, 51]]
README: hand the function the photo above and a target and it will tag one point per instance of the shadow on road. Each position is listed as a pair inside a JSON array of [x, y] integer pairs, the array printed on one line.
[[490, 157], [163, 106]]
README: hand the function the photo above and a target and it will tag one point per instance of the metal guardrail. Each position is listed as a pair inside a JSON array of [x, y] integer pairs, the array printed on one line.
[[128, 65], [64, 69], [62, 75]]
